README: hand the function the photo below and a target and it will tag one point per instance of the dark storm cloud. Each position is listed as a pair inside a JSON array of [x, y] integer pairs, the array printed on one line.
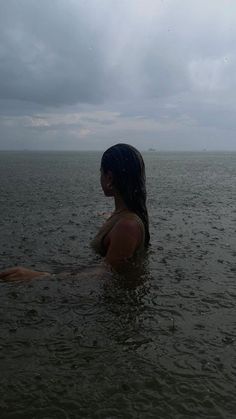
[[77, 72], [51, 53], [67, 51]]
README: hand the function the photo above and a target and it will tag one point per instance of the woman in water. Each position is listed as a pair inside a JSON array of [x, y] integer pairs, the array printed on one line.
[[125, 234]]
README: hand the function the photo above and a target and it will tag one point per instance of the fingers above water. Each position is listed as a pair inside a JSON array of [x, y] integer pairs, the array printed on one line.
[[8, 272]]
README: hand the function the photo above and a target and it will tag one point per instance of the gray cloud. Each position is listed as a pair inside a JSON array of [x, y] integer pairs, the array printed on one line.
[[51, 53], [76, 73]]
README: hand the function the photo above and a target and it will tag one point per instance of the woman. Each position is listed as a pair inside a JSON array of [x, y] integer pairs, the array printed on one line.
[[126, 232]]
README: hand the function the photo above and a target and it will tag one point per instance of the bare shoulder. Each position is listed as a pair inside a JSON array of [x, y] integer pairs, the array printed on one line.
[[129, 222], [128, 226]]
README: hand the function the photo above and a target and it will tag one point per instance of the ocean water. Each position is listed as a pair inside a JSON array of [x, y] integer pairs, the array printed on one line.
[[161, 345]]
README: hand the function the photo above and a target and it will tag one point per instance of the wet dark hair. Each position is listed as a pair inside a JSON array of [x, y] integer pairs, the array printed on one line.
[[128, 171]]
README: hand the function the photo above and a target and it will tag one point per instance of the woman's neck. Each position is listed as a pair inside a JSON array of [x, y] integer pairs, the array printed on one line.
[[119, 203]]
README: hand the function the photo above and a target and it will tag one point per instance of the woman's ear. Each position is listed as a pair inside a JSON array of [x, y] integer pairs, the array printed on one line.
[[109, 177], [107, 183]]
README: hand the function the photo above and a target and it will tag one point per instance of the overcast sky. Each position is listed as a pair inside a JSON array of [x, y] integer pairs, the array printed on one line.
[[79, 75]]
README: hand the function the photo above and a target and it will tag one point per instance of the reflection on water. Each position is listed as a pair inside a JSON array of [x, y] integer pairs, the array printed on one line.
[[157, 343]]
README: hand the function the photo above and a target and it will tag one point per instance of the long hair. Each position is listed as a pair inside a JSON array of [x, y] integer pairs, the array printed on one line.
[[128, 171]]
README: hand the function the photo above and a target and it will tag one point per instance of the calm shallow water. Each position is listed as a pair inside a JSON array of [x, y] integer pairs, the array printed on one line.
[[88, 348]]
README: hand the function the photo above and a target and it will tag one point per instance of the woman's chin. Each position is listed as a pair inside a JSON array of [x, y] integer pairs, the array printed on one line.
[[108, 193]]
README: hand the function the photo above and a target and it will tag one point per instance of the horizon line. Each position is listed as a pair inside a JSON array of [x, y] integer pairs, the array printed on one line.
[[150, 150]]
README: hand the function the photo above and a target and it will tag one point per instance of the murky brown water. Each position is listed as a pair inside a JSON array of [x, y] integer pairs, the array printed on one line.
[[88, 348]]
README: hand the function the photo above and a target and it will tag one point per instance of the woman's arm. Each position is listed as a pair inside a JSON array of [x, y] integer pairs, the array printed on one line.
[[19, 273], [122, 243], [23, 274]]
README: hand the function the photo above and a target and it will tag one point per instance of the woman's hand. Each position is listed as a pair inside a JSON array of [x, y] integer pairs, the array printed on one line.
[[19, 273]]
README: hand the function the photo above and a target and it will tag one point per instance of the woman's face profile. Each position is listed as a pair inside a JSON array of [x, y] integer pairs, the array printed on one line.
[[102, 179], [106, 182]]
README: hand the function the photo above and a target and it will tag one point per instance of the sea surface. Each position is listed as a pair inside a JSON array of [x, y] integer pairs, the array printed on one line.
[[78, 345]]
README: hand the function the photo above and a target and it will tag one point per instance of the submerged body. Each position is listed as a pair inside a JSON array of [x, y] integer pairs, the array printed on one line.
[[125, 234]]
